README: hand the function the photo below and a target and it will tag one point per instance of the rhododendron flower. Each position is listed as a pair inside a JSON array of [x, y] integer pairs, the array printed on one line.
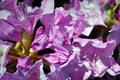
[[26, 20], [70, 70], [94, 54], [59, 40], [31, 74]]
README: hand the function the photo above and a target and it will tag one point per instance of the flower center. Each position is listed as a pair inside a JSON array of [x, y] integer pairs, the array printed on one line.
[[20, 49]]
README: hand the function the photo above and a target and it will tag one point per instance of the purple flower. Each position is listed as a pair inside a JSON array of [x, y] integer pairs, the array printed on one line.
[[33, 73], [58, 28], [72, 69], [53, 29], [42, 39], [89, 15], [59, 50], [99, 56], [26, 20], [60, 18]]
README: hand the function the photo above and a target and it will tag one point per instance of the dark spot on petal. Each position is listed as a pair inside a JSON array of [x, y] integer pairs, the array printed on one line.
[[46, 67], [116, 53], [11, 66], [97, 31], [46, 51]]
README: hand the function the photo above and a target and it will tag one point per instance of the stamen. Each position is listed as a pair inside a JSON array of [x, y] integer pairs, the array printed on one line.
[[14, 51], [26, 42]]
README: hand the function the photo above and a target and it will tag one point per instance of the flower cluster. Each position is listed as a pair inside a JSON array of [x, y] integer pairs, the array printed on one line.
[[77, 41]]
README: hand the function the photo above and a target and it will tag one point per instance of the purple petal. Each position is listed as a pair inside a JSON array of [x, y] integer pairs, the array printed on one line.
[[69, 71], [47, 22], [114, 68], [26, 20], [60, 56], [15, 22], [111, 3], [98, 55], [114, 35], [9, 76], [62, 17], [79, 26], [24, 63], [40, 40], [11, 5], [55, 36], [34, 72], [7, 32], [59, 13], [29, 23]]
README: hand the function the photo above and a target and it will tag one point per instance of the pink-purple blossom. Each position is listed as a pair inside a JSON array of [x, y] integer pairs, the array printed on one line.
[[79, 40]]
